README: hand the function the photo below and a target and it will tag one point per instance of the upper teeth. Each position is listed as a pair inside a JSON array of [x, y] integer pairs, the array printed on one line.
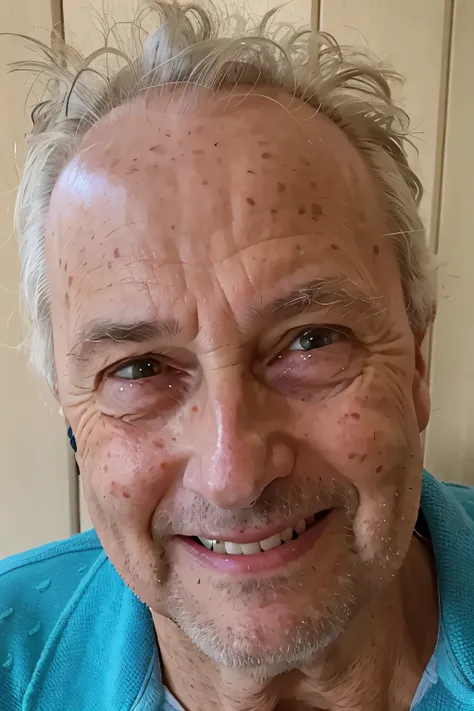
[[266, 544]]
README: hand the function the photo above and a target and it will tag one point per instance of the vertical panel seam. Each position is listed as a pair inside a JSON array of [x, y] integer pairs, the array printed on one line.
[[443, 126], [440, 164], [316, 15], [57, 16]]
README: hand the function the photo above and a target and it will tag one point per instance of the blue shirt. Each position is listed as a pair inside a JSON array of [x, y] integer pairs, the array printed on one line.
[[73, 636]]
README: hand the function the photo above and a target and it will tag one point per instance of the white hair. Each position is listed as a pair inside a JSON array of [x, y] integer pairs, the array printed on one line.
[[194, 45]]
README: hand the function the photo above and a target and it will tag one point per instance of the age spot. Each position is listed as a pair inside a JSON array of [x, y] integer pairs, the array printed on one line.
[[251, 201], [352, 455], [376, 250], [335, 247], [379, 469], [281, 187], [205, 182], [301, 211], [266, 155]]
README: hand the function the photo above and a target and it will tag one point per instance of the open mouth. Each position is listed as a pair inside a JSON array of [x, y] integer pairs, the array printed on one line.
[[278, 539]]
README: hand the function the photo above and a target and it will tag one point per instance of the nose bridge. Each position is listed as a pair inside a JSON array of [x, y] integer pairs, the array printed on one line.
[[232, 442], [236, 450]]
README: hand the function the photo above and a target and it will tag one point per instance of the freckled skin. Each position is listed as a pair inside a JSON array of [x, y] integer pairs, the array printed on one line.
[[208, 231]]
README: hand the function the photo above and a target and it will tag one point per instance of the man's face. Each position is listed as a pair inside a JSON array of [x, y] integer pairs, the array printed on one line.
[[234, 357]]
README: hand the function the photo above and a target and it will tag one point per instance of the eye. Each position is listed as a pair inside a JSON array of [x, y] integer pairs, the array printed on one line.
[[316, 338], [139, 369]]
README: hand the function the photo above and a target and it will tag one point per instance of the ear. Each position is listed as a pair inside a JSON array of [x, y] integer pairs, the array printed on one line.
[[421, 391]]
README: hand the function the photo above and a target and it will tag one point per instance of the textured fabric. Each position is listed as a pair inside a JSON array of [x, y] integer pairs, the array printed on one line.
[[73, 637]]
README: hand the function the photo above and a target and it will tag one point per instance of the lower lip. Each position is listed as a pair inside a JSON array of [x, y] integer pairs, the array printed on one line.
[[256, 562]]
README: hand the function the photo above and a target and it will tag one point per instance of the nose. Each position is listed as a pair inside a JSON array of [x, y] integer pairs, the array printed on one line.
[[236, 453]]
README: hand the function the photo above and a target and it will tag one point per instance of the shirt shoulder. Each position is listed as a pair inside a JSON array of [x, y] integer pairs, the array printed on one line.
[[36, 587], [464, 495]]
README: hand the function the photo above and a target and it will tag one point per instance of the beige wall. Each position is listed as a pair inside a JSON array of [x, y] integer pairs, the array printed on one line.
[[450, 439], [430, 42], [36, 496]]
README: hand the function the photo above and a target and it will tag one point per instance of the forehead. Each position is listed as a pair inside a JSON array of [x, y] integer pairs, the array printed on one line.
[[213, 185]]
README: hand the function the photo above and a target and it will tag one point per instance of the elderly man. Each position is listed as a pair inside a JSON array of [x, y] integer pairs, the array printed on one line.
[[228, 287]]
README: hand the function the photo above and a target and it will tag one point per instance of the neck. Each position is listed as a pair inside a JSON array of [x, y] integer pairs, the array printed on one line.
[[376, 663]]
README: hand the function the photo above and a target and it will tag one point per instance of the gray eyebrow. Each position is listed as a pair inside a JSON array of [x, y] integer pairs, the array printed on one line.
[[323, 292], [99, 331]]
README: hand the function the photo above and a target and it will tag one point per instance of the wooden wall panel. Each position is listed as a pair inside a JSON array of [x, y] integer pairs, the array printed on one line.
[[82, 26], [38, 491], [413, 36], [450, 438]]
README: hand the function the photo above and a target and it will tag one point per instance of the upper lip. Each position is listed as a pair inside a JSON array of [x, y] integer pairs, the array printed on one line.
[[251, 535]]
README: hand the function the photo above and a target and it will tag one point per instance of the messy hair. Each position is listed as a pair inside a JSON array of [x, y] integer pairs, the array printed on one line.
[[199, 47]]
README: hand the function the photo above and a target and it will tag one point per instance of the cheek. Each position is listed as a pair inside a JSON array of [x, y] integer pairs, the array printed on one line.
[[125, 474], [364, 438]]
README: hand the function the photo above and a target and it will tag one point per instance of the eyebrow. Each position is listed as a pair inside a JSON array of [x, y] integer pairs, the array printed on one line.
[[325, 293], [322, 292], [106, 331]]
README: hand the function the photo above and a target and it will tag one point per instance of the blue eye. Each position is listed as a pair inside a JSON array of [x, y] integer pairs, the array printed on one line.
[[139, 369], [316, 338]]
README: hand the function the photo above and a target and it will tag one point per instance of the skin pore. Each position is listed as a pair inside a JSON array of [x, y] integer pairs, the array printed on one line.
[[233, 353]]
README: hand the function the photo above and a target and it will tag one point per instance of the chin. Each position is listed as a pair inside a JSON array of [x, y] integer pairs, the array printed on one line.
[[267, 626]]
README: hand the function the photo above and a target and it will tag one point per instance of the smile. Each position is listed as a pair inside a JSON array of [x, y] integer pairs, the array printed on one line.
[[266, 544]]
